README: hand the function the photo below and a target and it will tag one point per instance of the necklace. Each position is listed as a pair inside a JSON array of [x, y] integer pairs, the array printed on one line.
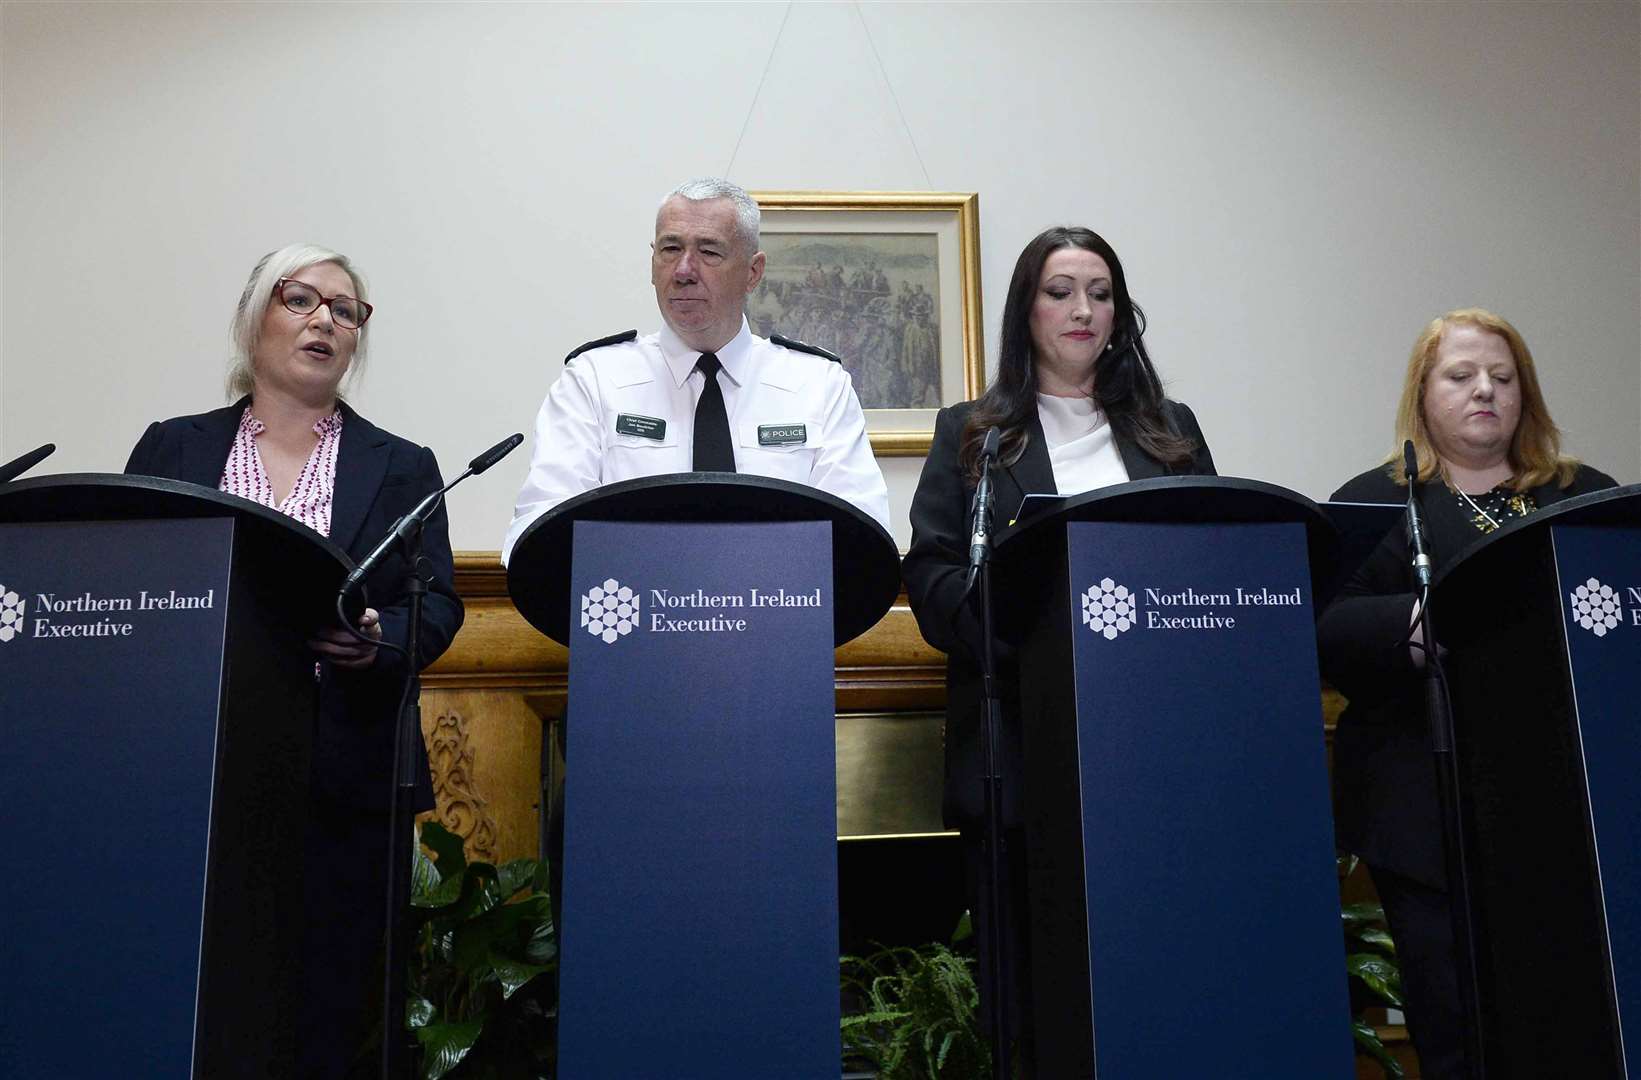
[[1489, 510], [1483, 514]]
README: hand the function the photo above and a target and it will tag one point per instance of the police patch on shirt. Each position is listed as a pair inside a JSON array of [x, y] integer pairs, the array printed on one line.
[[643, 427], [782, 434]]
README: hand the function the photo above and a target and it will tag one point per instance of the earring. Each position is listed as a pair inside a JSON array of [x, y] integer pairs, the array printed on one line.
[[1108, 345]]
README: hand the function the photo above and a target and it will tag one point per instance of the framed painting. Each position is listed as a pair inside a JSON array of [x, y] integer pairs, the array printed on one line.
[[888, 280]]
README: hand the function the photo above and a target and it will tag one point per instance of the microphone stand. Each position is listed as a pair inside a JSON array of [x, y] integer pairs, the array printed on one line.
[[1448, 789], [407, 742], [406, 536], [991, 723]]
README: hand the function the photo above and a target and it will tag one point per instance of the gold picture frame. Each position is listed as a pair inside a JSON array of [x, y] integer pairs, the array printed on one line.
[[908, 280]]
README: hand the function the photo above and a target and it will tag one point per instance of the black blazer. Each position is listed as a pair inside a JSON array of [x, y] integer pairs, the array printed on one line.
[[934, 570], [379, 477], [1383, 778]]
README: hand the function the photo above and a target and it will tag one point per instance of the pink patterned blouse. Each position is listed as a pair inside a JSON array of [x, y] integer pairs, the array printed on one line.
[[310, 499]]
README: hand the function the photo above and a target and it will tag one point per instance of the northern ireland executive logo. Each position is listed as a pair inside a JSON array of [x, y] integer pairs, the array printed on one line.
[[1108, 608], [609, 611], [1596, 607], [12, 607]]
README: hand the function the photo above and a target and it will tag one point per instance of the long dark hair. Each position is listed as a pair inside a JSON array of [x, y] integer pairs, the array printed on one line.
[[1126, 387]]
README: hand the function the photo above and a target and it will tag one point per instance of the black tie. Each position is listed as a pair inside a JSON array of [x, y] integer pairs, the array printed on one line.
[[713, 450]]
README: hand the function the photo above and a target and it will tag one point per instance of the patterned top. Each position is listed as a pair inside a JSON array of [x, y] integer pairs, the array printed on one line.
[[1492, 509], [310, 499]]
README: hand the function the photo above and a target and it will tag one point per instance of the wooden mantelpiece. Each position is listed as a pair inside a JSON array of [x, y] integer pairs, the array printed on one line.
[[890, 668]]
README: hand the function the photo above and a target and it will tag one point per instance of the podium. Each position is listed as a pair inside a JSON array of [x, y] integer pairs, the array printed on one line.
[[1180, 859], [1542, 622], [159, 702], [699, 921]]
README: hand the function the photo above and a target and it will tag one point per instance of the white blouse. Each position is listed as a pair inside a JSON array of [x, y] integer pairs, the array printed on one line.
[[1081, 447]]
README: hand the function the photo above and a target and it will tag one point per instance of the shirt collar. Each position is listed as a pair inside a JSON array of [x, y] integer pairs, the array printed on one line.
[[736, 357], [325, 425]]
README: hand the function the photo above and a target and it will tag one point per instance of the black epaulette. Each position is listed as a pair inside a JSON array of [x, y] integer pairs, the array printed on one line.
[[804, 346], [614, 339]]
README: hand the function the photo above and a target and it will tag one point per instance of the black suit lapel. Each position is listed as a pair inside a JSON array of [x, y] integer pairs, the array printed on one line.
[[1033, 474], [1140, 465], [207, 443], [361, 462]]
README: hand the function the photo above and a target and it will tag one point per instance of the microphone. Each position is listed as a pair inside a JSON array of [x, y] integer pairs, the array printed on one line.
[[1415, 520], [494, 454], [411, 523], [980, 540], [18, 466]]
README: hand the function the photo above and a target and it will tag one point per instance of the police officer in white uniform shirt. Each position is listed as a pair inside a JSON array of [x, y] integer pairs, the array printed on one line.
[[629, 406]]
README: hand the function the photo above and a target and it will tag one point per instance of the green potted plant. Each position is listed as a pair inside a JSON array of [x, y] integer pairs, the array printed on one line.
[[1375, 978], [482, 996], [915, 1015]]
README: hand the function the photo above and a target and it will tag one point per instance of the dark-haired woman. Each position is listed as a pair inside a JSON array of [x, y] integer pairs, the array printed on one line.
[[1079, 406]]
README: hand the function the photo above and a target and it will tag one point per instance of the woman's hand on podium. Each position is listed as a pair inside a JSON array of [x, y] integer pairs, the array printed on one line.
[[343, 649]]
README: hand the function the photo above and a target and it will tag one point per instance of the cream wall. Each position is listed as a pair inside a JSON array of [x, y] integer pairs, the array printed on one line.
[[1295, 189]]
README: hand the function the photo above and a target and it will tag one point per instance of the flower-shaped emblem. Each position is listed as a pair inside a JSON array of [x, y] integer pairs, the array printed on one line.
[[1108, 608], [1596, 607], [610, 610], [11, 613]]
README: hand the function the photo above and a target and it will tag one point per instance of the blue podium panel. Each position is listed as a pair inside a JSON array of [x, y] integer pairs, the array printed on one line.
[[111, 652], [1213, 903], [700, 934], [1599, 572]]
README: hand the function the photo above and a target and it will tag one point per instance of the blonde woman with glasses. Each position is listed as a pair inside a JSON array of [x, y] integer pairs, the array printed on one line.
[[292, 443]]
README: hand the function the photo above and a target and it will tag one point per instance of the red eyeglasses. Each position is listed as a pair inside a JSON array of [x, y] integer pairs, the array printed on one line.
[[300, 298]]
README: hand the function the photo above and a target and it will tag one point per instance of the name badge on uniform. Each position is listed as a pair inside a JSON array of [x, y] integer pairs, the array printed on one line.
[[644, 427], [782, 434]]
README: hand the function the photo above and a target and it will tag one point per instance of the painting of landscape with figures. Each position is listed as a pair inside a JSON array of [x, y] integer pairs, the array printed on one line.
[[869, 297]]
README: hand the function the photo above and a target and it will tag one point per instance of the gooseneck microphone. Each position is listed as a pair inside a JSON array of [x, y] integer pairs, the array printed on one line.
[[1415, 519], [18, 466], [412, 522], [980, 537], [489, 457]]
